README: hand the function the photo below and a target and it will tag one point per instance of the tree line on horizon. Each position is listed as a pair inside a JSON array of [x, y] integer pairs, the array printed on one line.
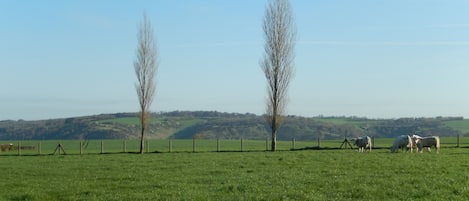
[[220, 125]]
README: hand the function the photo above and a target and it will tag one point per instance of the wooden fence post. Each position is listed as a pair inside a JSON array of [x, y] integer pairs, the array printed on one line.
[[319, 142], [124, 144], [39, 148], [170, 145], [218, 144], [58, 146], [241, 144], [102, 146], [293, 143], [193, 144]]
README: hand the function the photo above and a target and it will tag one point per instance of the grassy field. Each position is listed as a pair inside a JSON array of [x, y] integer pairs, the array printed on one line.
[[47, 147], [283, 175]]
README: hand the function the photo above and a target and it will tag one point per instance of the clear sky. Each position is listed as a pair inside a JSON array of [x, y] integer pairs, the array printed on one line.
[[370, 58]]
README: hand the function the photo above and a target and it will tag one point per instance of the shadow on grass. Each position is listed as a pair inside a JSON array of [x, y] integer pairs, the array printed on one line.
[[195, 152]]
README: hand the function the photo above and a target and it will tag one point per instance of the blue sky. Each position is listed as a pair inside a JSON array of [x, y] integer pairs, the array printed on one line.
[[371, 58]]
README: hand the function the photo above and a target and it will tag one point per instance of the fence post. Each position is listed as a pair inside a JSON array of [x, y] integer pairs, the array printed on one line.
[[102, 146], [39, 147], [81, 147], [170, 145], [193, 144], [293, 143], [241, 144], [218, 144], [124, 144], [319, 142], [58, 147]]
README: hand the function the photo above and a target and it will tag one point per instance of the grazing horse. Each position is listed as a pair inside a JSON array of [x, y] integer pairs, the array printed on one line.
[[433, 141], [362, 143], [414, 142], [6, 147], [402, 141]]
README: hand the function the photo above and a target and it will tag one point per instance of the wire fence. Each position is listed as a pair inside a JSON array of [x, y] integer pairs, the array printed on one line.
[[47, 147]]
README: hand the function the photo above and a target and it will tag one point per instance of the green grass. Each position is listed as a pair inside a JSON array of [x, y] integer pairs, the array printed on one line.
[[284, 175], [163, 146]]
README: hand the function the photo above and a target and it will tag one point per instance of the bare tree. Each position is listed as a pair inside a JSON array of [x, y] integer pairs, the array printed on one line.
[[145, 66], [278, 61]]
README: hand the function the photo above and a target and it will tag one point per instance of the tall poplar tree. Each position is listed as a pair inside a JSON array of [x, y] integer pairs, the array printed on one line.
[[145, 66], [278, 61]]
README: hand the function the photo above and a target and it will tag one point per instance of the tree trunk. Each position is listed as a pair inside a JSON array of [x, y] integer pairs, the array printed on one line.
[[141, 140], [274, 140]]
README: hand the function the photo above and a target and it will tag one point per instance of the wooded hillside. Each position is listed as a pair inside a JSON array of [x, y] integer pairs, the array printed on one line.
[[211, 125]]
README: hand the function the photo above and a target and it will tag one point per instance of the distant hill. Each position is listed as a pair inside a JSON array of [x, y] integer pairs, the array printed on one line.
[[212, 125]]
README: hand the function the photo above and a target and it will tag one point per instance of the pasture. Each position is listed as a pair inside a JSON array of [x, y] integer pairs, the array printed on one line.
[[46, 147], [336, 174]]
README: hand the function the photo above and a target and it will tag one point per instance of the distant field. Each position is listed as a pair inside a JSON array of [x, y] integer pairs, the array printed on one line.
[[461, 125], [124, 120], [356, 123], [284, 175], [135, 121]]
